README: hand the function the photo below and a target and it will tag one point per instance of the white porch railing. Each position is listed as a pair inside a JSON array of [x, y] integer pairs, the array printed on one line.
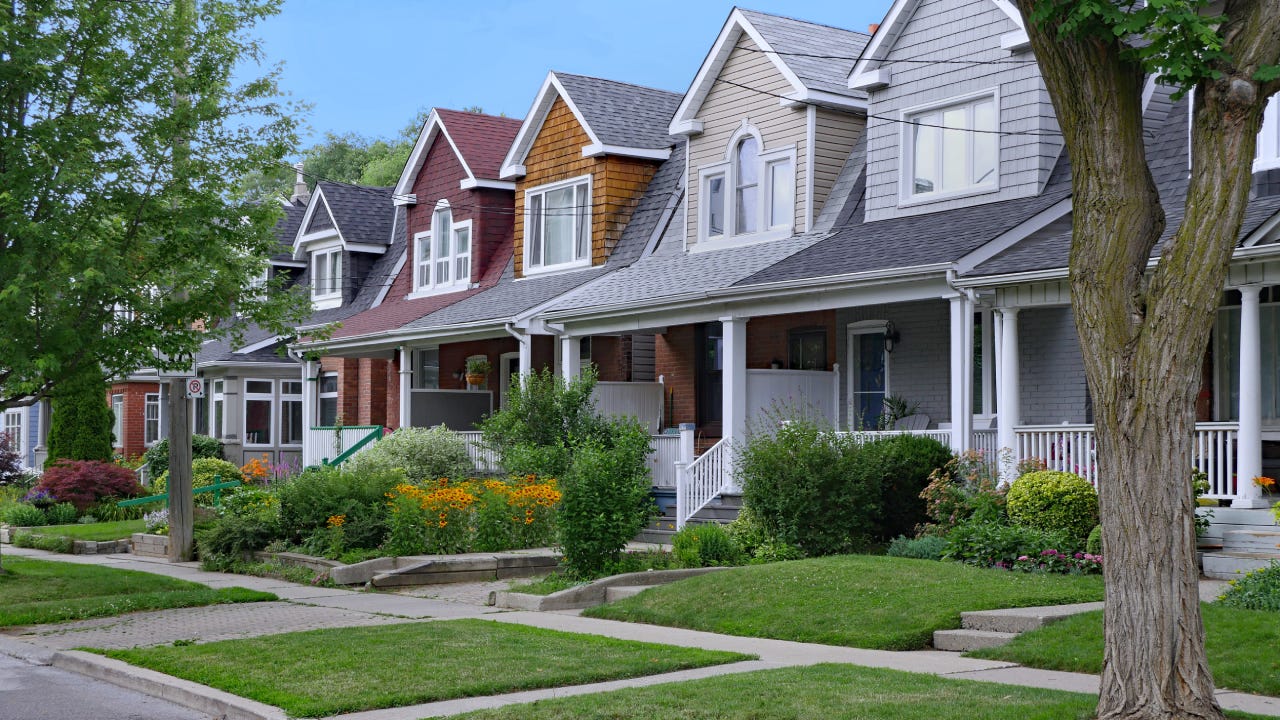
[[701, 480], [809, 392], [324, 443], [865, 436], [484, 459], [641, 400], [662, 463], [1073, 448], [987, 442]]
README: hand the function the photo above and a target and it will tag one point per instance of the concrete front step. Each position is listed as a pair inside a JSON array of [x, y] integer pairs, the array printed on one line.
[[1263, 541], [1020, 620], [966, 640], [1229, 565]]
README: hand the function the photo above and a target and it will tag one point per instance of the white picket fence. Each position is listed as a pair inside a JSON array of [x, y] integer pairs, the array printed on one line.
[[484, 459]]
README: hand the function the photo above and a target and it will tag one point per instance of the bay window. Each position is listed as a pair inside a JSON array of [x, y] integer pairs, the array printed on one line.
[[558, 225]]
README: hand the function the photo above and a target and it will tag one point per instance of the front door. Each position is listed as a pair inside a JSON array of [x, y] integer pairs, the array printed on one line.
[[709, 382], [509, 367], [869, 381]]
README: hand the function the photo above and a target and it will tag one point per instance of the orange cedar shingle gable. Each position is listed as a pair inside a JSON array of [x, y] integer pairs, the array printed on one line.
[[618, 183]]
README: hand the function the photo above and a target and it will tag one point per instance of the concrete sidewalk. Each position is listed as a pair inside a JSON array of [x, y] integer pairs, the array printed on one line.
[[305, 607]]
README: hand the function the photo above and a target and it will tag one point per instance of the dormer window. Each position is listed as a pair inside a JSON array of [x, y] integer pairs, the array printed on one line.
[[558, 225], [951, 150], [752, 195], [442, 255], [326, 277], [1269, 138]]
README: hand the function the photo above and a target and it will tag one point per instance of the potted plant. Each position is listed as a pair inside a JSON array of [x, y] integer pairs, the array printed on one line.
[[477, 369]]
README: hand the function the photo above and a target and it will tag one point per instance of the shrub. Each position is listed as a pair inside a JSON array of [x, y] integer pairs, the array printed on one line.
[[999, 545], [232, 536], [109, 510], [80, 424], [1093, 545], [202, 446], [546, 419], [966, 488], [806, 490], [422, 453], [24, 515], [605, 500], [11, 472], [61, 514], [204, 471], [309, 500], [901, 468], [1053, 561], [1259, 590], [705, 545], [85, 482], [1050, 500], [925, 547], [49, 543]]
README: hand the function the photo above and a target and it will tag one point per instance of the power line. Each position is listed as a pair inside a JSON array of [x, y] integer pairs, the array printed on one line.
[[855, 58]]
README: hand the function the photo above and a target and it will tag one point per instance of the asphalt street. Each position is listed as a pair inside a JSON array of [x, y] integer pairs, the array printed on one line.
[[31, 692]]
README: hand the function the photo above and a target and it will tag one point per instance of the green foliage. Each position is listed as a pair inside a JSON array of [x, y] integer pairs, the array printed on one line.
[[309, 500], [1200, 486], [925, 547], [232, 536], [1093, 545], [24, 515], [806, 488], [204, 471], [965, 489], [61, 514], [49, 543], [756, 542], [1258, 590], [605, 500], [202, 446], [424, 454], [1050, 500], [901, 466], [80, 424], [545, 420], [705, 545], [987, 544]]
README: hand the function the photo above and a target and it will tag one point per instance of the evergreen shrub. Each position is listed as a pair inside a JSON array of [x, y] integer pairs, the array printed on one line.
[[1050, 500]]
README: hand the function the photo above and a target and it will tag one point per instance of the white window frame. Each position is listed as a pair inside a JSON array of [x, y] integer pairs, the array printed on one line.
[[218, 402], [15, 424], [1268, 155], [117, 419], [418, 382], [288, 398], [425, 277], [728, 170], [576, 262], [907, 196], [864, 327], [270, 398], [332, 297], [322, 395], [149, 401]]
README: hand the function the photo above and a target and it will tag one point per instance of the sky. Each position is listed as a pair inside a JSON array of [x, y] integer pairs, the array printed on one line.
[[368, 66]]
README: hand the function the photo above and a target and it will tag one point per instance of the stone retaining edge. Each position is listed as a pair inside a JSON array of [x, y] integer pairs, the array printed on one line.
[[592, 593], [200, 698]]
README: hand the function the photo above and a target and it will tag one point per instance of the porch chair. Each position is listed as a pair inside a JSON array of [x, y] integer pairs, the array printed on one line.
[[919, 421]]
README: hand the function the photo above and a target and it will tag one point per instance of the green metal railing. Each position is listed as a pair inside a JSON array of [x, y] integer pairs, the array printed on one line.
[[216, 488], [374, 435]]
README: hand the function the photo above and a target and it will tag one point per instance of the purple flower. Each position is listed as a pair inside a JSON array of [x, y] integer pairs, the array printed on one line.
[[1050, 552], [1023, 558]]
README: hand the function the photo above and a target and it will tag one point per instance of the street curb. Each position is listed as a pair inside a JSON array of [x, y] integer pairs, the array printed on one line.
[[200, 698], [25, 651]]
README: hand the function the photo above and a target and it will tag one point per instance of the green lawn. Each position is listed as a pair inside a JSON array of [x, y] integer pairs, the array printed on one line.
[[93, 531], [830, 692], [326, 672], [855, 600], [1243, 647], [39, 591]]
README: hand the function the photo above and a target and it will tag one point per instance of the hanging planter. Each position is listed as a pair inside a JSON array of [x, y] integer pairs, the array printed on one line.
[[477, 370]]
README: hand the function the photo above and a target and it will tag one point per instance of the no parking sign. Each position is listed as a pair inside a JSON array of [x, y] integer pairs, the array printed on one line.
[[195, 387]]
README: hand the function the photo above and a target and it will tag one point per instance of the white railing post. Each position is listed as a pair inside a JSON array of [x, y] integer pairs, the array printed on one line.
[[687, 452], [405, 418], [682, 494], [1008, 397], [570, 357]]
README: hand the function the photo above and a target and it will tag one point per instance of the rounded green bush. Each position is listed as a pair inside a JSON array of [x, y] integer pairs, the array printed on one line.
[[1093, 545], [24, 515], [203, 471], [1052, 500], [424, 454]]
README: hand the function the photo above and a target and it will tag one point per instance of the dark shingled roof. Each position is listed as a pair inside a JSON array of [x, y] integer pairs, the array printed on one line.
[[483, 140], [287, 228], [363, 214], [621, 113], [820, 55]]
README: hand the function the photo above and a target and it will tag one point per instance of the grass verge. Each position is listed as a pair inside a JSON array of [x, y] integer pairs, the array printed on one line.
[[93, 531], [36, 592], [854, 600], [818, 691], [1241, 645], [326, 672]]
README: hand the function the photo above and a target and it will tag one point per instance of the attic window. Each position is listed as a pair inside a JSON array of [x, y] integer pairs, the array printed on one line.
[[951, 150], [558, 225], [1269, 138], [326, 276], [750, 196], [442, 255]]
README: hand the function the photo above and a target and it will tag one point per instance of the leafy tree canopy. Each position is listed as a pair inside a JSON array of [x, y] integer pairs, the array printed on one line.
[[121, 139]]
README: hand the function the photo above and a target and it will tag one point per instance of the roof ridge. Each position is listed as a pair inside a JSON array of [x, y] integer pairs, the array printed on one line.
[[801, 20], [485, 115], [617, 82]]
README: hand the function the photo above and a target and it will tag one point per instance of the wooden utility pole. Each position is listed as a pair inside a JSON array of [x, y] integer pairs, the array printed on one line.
[[181, 505]]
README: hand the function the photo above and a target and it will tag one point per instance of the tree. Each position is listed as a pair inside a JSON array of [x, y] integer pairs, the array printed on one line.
[[121, 136], [1145, 330], [80, 421]]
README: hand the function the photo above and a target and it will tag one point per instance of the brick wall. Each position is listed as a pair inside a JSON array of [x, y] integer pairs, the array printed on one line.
[[393, 392], [372, 391], [768, 337], [133, 440], [674, 358], [611, 355]]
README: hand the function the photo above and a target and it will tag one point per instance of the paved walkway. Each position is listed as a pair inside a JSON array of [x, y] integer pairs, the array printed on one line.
[[304, 607]]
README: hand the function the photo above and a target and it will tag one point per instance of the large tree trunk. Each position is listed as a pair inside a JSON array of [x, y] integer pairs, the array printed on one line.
[[1143, 334]]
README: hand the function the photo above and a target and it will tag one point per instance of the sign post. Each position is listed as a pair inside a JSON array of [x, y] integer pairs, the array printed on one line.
[[181, 504]]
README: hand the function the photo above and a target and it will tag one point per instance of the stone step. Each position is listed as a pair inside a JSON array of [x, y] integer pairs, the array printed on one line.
[[966, 640], [619, 592], [1229, 565], [1258, 541], [1020, 620], [655, 536]]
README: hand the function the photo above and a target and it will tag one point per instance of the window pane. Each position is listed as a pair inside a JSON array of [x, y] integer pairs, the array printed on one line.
[[748, 161], [329, 383], [440, 231], [534, 231], [217, 417], [424, 261], [319, 272], [290, 387], [986, 152], [257, 422], [559, 226], [925, 154], [427, 376], [328, 411], [583, 224], [955, 149], [781, 188], [291, 422], [442, 271], [746, 210], [715, 206], [258, 387]]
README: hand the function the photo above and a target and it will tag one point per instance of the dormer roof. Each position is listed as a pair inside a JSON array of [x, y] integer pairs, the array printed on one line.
[[479, 141], [815, 59], [619, 118], [868, 74], [359, 216]]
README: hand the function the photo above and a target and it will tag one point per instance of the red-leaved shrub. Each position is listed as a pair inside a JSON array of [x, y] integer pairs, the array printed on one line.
[[84, 482]]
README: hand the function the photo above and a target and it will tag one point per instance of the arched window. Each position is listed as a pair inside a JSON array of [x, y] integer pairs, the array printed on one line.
[[442, 255], [746, 174], [751, 194]]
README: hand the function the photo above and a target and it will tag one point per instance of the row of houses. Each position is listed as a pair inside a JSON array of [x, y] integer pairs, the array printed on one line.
[[826, 218]]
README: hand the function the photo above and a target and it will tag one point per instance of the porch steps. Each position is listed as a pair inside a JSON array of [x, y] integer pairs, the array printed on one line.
[[723, 509], [1229, 565], [1250, 540], [993, 628]]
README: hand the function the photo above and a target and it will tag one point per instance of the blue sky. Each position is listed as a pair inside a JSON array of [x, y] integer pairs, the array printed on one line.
[[367, 66]]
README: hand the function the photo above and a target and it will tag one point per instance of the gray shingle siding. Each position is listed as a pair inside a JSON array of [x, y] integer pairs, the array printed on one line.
[[947, 30], [1051, 368], [919, 367]]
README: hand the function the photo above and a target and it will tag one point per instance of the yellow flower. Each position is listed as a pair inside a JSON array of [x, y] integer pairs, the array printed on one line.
[[337, 521]]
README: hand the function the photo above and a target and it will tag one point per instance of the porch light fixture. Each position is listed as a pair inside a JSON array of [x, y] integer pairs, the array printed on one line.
[[458, 375], [891, 336]]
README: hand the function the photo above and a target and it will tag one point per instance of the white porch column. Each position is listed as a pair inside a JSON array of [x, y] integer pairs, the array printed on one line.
[[570, 357], [310, 390], [961, 373], [733, 368], [1009, 394], [1249, 439], [526, 355], [406, 387]]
